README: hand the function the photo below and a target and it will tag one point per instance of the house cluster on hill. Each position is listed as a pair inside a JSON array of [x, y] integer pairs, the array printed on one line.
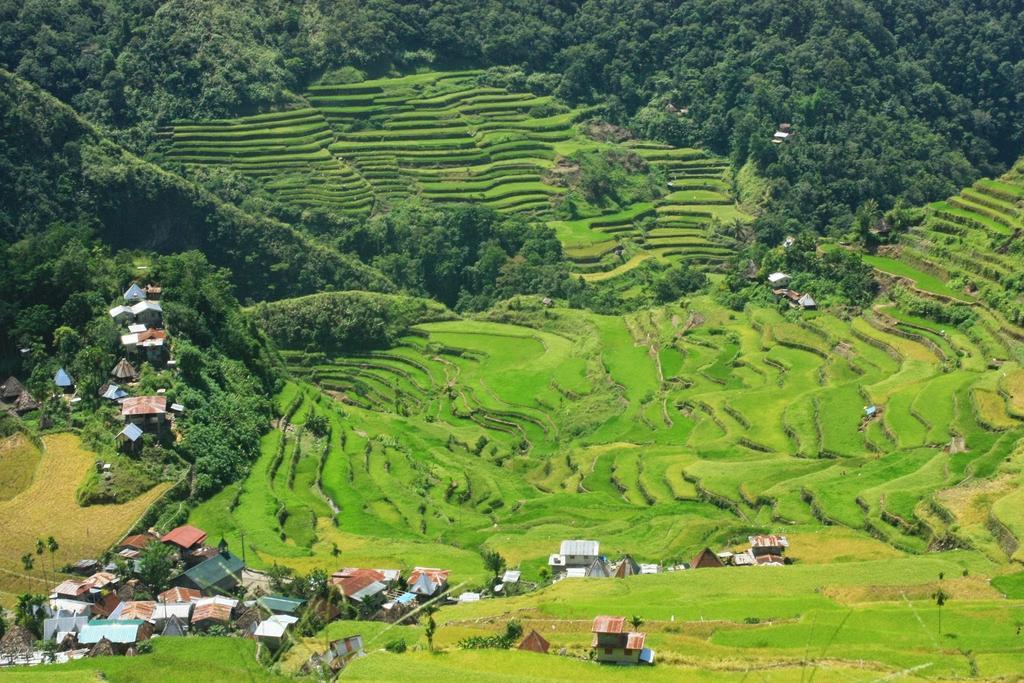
[[779, 282], [383, 594], [145, 341], [579, 559]]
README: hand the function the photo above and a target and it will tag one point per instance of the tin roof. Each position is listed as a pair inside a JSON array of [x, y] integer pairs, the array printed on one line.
[[275, 626], [635, 641], [511, 576], [211, 611], [134, 292], [114, 630], [131, 431], [138, 541], [136, 609], [62, 379], [579, 547], [605, 624], [146, 306], [279, 603], [436, 575], [768, 541], [184, 536], [144, 405], [209, 573], [179, 595]]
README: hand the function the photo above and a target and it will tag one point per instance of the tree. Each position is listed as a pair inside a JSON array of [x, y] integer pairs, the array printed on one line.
[[494, 562], [52, 547], [940, 599], [27, 562], [636, 622], [431, 628], [29, 612], [156, 564], [40, 549]]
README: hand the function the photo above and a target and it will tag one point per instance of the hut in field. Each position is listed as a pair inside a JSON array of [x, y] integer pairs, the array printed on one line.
[[10, 390], [535, 642], [17, 643], [706, 559]]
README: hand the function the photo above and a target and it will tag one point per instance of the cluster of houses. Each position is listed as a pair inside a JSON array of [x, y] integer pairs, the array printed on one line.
[[582, 559], [383, 595], [779, 282], [145, 340], [101, 613]]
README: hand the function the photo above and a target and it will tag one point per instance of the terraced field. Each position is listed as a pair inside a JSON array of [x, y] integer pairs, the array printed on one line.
[[658, 433], [444, 138], [968, 249]]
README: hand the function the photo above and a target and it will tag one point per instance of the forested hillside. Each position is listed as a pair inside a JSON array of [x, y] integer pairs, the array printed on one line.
[[890, 100]]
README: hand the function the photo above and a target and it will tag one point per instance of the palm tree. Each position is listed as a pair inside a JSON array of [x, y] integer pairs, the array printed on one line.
[[28, 562], [636, 622], [940, 599], [40, 549], [52, 547]]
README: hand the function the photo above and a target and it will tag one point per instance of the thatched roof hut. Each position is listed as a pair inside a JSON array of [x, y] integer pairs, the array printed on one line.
[[124, 371], [535, 642], [103, 648], [17, 642]]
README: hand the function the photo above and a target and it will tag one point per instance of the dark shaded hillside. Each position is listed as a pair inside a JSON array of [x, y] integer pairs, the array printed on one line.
[[56, 168], [891, 99]]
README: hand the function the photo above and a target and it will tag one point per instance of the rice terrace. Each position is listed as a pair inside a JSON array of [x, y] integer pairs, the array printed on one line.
[[512, 342]]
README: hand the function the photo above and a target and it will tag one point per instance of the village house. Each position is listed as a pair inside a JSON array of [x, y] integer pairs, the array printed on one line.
[[64, 381], [368, 587], [149, 342], [535, 642], [219, 574], [614, 644], [124, 372], [782, 134], [186, 539], [179, 596], [130, 438], [768, 544], [135, 609], [427, 582], [149, 413], [272, 629], [131, 547], [214, 611], [778, 280], [339, 653], [574, 554], [625, 567], [10, 390], [134, 293], [58, 627], [279, 604], [706, 559], [120, 633]]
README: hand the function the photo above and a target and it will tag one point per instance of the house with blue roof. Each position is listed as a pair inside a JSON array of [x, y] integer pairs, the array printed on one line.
[[64, 381]]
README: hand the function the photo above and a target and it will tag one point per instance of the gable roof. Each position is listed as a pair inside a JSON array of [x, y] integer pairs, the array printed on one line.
[[423, 585], [578, 547], [144, 405], [135, 609], [511, 576], [807, 301], [535, 642], [179, 595], [134, 292], [138, 541], [438, 576], [275, 626], [146, 306], [705, 558], [114, 393], [173, 628], [604, 624], [62, 379], [64, 622], [211, 611], [768, 541], [184, 536], [209, 573]]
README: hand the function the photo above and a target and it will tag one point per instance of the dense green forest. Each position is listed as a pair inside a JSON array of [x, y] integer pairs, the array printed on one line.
[[890, 99]]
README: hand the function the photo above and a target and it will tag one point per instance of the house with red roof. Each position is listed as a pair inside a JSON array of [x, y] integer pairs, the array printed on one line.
[[427, 582], [613, 643], [186, 539]]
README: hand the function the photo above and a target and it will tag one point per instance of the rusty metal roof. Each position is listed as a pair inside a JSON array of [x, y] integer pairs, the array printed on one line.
[[635, 641], [179, 595], [144, 405], [768, 541], [608, 625]]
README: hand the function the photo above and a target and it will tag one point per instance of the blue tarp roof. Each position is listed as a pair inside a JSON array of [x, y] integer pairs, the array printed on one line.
[[405, 598], [62, 378], [114, 392]]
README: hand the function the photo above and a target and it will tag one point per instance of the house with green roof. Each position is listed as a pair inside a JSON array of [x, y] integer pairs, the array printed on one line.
[[278, 604], [218, 575]]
